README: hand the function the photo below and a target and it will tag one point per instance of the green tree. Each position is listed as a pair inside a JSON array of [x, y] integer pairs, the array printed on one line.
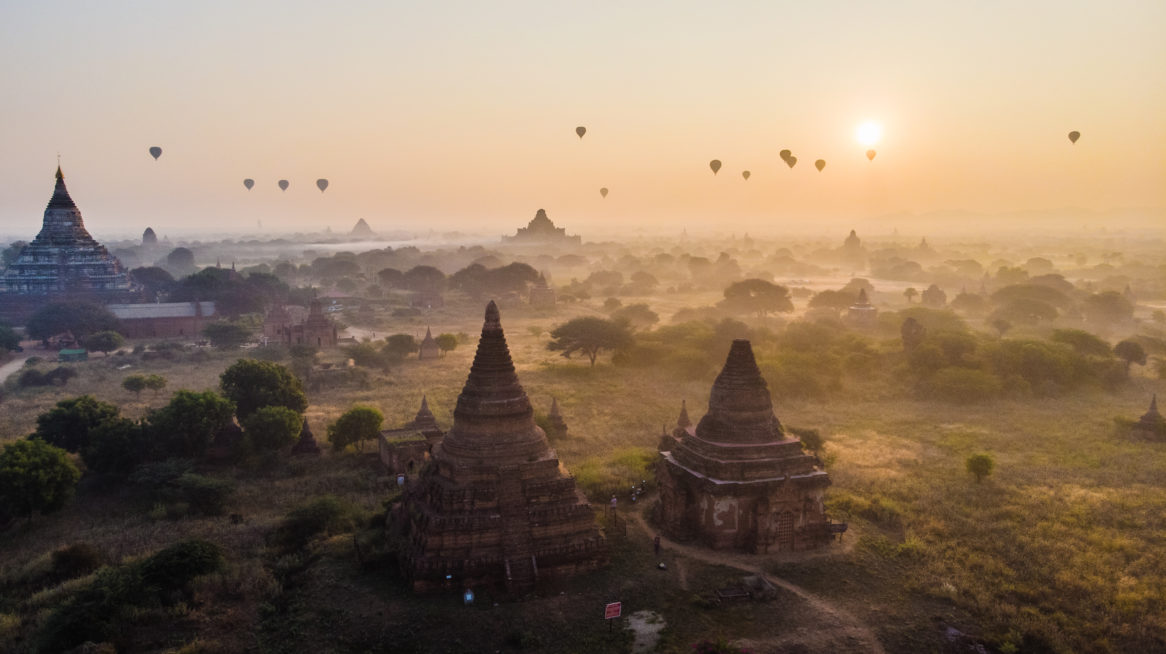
[[399, 346], [155, 383], [836, 300], [35, 477], [1081, 341], [1107, 308], [79, 318], [446, 343], [910, 294], [589, 335], [980, 466], [272, 428], [226, 335], [186, 426], [116, 447], [424, 279], [9, 339], [252, 384], [1131, 352], [756, 296], [134, 384], [104, 342], [912, 333], [356, 425], [68, 424], [637, 316]]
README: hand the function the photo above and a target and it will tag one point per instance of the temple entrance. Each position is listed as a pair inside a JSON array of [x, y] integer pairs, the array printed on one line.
[[785, 531]]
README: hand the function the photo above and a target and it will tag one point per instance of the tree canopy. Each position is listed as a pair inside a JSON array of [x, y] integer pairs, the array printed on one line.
[[272, 428], [69, 423], [226, 335], [757, 296], [104, 342], [252, 384], [79, 318], [35, 477], [356, 425], [589, 335], [186, 426]]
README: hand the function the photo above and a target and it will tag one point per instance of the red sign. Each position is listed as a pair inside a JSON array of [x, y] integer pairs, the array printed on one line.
[[612, 610]]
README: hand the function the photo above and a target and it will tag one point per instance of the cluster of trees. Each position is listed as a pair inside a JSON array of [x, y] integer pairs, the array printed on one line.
[[394, 349], [36, 474]]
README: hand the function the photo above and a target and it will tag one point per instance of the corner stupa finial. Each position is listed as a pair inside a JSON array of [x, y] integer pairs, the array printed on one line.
[[493, 318]]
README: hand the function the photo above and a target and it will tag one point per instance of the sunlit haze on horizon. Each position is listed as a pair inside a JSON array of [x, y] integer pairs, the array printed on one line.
[[462, 116]]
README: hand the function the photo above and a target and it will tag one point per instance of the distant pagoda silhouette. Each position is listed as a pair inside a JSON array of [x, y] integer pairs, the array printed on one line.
[[493, 507], [541, 230], [63, 262]]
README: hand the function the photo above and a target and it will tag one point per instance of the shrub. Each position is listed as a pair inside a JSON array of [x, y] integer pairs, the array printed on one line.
[[76, 560], [204, 495], [252, 384], [323, 515], [356, 425], [812, 440], [35, 477], [272, 428]]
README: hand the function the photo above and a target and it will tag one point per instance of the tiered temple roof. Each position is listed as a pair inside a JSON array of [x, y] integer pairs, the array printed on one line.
[[64, 260], [494, 506], [541, 229], [738, 480]]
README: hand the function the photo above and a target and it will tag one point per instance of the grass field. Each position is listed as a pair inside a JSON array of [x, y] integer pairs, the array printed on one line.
[[1062, 548]]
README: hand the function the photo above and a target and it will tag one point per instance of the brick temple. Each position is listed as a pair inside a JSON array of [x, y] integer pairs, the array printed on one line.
[[494, 507], [737, 480], [63, 263]]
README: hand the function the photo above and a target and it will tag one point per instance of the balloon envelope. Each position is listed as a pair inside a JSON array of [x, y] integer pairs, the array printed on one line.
[[283, 184], [322, 184], [580, 130], [155, 152], [603, 191], [248, 183], [1074, 135], [715, 164], [870, 154], [784, 154], [791, 161], [820, 164], [745, 174]]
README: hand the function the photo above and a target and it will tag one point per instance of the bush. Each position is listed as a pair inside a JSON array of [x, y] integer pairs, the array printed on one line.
[[76, 560], [323, 515], [272, 428], [176, 566], [980, 465], [203, 494]]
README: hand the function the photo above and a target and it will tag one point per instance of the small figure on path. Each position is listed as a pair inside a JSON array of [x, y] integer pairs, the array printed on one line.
[[656, 545]]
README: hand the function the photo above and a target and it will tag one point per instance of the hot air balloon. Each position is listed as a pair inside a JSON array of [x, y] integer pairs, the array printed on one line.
[[791, 161], [820, 164], [1074, 135], [870, 154], [322, 184], [745, 174], [580, 130], [283, 184], [603, 191], [248, 183], [715, 164], [784, 154], [155, 152]]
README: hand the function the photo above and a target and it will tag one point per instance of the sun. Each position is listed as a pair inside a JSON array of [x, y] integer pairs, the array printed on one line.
[[869, 133]]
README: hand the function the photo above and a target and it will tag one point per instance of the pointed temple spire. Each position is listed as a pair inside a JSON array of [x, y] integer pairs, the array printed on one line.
[[554, 409], [307, 443], [1152, 414], [493, 421], [425, 420], [683, 421], [862, 299]]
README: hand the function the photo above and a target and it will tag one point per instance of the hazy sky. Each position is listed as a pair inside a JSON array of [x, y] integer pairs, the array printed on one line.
[[462, 115]]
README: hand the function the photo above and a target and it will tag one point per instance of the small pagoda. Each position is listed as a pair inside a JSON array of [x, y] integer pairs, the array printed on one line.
[[862, 313], [494, 506], [63, 263], [428, 348], [738, 481], [1151, 425], [542, 296]]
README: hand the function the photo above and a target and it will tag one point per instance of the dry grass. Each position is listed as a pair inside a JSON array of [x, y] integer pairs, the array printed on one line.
[[1061, 547]]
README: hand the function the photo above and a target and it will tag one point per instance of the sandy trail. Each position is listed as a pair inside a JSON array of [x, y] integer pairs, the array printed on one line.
[[848, 626]]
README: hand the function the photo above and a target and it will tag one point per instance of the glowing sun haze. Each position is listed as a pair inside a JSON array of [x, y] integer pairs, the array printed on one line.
[[462, 115]]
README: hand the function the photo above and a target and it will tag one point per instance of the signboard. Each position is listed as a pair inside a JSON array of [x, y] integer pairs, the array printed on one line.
[[836, 528], [612, 610]]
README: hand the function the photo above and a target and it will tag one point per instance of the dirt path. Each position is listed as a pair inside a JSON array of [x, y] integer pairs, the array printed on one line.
[[12, 367], [849, 627]]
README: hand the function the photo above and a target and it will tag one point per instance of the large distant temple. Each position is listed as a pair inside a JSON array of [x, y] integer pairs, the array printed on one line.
[[494, 507], [62, 263], [542, 231], [738, 481]]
